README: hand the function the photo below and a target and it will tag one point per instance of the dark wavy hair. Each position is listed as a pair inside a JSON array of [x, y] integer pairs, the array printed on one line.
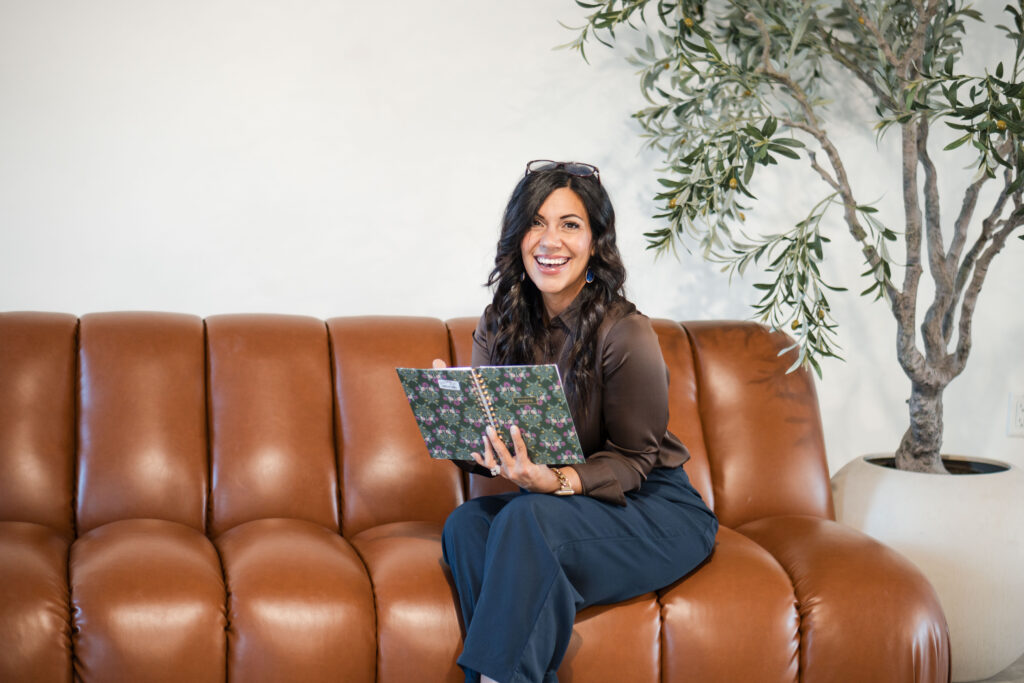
[[517, 307]]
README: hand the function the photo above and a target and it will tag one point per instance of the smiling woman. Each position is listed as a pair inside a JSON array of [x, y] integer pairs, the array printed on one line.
[[624, 522]]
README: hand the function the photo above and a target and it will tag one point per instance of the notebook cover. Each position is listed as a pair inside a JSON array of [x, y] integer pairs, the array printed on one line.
[[448, 410]]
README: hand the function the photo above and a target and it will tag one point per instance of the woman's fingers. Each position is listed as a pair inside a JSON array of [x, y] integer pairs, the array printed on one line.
[[486, 458], [480, 460], [439, 364], [501, 455], [519, 445], [516, 467], [497, 448]]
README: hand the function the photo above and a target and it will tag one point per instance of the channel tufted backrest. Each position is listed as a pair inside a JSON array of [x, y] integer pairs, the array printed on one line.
[[271, 420], [141, 419], [684, 408], [216, 423], [387, 475], [762, 426], [37, 419]]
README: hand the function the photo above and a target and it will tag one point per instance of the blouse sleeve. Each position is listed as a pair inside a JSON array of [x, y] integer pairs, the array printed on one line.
[[481, 342], [635, 411]]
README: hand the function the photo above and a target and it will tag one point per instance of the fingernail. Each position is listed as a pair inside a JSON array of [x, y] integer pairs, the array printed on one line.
[[514, 429]]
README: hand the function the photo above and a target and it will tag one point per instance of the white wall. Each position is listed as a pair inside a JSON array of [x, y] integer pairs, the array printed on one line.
[[335, 158]]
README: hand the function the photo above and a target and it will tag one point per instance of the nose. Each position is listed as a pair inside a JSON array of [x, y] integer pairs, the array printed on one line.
[[550, 238]]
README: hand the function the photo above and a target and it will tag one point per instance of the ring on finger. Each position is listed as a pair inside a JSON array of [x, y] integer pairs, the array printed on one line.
[[495, 471]]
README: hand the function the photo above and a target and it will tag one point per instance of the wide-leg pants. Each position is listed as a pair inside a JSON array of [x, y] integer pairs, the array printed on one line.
[[525, 563]]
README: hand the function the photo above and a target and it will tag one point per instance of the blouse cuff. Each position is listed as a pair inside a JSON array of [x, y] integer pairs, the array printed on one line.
[[599, 481]]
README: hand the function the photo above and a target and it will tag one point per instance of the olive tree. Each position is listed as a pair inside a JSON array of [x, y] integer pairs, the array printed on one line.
[[736, 86]]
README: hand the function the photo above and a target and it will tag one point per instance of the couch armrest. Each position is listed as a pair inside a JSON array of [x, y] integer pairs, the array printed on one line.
[[866, 612]]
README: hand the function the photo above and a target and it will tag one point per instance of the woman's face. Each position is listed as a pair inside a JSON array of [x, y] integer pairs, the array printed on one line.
[[557, 248]]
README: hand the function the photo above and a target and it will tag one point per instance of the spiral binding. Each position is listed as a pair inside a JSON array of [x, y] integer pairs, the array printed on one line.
[[486, 402]]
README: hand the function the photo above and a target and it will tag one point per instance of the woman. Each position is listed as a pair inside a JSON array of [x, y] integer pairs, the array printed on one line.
[[625, 522]]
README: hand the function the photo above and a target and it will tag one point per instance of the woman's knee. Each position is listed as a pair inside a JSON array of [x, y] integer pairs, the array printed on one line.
[[534, 511], [469, 524]]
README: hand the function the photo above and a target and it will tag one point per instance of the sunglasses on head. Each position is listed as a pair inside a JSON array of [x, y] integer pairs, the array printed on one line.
[[576, 168]]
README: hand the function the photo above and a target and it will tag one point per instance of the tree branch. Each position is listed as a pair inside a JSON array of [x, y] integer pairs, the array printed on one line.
[[933, 225], [841, 182], [963, 347], [942, 275], [836, 50], [916, 47], [971, 259], [963, 221], [883, 44], [826, 176], [907, 352]]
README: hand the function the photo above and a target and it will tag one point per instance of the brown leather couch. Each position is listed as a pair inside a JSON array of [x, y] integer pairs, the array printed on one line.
[[247, 498]]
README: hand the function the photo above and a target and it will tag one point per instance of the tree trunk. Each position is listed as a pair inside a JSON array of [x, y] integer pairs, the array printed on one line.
[[920, 447]]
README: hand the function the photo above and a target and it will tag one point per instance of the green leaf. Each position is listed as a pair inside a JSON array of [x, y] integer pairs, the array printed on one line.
[[956, 143], [971, 112], [784, 151], [748, 171], [753, 132], [789, 142]]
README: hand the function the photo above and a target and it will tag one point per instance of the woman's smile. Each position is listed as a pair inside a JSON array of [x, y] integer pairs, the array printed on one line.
[[551, 265]]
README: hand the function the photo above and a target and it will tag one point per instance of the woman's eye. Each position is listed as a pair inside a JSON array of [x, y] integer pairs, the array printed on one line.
[[571, 225]]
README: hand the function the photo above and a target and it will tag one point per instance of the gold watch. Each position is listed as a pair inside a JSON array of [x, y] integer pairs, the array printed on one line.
[[565, 488]]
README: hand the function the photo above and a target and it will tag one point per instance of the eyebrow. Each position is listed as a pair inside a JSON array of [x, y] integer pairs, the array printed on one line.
[[561, 218]]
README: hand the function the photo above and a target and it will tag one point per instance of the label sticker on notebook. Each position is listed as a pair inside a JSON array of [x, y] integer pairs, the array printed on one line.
[[449, 384]]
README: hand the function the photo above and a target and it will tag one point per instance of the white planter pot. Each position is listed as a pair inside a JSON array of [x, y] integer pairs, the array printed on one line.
[[966, 534]]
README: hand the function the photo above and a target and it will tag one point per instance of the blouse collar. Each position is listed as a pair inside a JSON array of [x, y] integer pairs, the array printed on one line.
[[568, 318]]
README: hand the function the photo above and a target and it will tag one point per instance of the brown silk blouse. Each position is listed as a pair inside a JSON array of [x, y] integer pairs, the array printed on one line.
[[625, 431]]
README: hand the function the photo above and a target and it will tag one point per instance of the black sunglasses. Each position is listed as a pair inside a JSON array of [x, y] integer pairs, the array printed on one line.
[[576, 168]]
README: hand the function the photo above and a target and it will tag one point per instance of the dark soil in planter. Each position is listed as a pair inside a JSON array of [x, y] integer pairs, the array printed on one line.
[[952, 466]]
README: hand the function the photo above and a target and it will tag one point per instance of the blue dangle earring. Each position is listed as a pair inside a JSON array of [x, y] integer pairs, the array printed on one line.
[[590, 276]]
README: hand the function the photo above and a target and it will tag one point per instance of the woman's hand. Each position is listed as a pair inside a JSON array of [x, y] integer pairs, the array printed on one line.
[[516, 466]]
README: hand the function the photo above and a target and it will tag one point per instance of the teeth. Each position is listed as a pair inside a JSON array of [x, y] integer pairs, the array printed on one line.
[[544, 261]]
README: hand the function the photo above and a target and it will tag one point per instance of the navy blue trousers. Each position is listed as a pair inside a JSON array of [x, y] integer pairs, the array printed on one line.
[[525, 563]]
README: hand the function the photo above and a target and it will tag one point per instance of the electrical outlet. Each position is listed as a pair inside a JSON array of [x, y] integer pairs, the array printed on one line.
[[1015, 416]]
